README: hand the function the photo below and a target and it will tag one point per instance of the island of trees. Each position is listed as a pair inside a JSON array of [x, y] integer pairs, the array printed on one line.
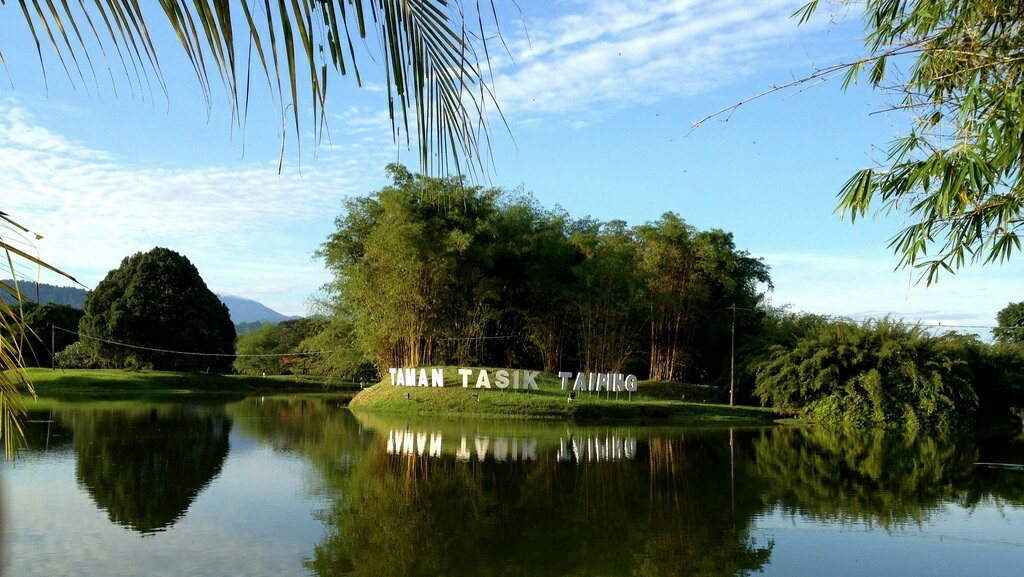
[[434, 271]]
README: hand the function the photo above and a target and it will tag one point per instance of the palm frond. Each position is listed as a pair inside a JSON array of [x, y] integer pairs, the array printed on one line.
[[434, 78], [13, 332]]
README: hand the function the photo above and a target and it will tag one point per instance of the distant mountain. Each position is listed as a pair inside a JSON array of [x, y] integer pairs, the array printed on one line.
[[242, 310], [249, 311], [43, 293]]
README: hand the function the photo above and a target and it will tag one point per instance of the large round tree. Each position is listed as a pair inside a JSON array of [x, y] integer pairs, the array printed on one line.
[[157, 303]]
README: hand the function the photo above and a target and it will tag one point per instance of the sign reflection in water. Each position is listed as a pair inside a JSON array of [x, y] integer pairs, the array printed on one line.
[[578, 448]]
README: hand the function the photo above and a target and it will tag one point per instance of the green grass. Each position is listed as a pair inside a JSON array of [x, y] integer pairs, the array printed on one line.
[[100, 383], [653, 402]]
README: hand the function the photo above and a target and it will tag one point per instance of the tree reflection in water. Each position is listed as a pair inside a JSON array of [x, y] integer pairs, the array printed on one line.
[[882, 478], [434, 497], [412, 514], [145, 466]]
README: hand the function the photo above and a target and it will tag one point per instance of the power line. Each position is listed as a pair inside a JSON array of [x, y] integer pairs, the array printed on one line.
[[173, 352], [254, 355]]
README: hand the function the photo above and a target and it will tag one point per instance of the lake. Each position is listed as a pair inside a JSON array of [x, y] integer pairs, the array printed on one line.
[[302, 486]]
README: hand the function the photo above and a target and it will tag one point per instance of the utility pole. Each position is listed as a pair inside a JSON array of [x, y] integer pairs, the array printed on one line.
[[53, 354], [732, 356]]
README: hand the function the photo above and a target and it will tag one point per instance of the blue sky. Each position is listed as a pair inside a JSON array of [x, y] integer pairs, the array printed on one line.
[[599, 97]]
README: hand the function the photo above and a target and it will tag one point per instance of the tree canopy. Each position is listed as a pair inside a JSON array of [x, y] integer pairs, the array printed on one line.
[[1011, 324], [435, 271], [157, 302], [270, 345]]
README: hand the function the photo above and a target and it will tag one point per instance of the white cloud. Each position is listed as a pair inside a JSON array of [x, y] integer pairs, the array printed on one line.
[[866, 286], [249, 230], [615, 54]]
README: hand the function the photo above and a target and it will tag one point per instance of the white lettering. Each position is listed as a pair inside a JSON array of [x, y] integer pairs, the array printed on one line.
[[530, 380], [437, 377], [482, 380], [580, 384], [619, 383], [463, 453], [565, 379], [631, 383], [465, 376], [501, 379], [481, 447]]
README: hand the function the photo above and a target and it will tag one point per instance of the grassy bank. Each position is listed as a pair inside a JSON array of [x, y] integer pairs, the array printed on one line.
[[101, 383], [654, 402]]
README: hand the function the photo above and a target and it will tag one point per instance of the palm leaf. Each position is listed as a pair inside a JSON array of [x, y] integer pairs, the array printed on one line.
[[12, 333], [434, 79]]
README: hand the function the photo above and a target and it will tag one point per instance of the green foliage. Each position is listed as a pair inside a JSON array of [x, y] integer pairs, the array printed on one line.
[[956, 171], [607, 295], [691, 278], [38, 320], [431, 271], [157, 300], [1011, 324], [879, 373], [281, 343], [76, 356]]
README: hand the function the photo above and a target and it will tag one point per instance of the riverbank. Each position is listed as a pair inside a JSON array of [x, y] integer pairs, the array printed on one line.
[[653, 402], [107, 383]]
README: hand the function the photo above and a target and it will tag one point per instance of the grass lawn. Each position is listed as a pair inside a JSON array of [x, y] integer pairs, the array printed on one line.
[[113, 382], [654, 401]]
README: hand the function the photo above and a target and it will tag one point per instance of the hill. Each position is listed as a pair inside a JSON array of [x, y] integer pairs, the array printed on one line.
[[42, 293], [245, 310], [242, 310]]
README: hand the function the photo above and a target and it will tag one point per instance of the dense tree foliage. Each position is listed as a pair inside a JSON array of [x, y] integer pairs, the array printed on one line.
[[433, 271], [1011, 324], [879, 373], [157, 300], [44, 324], [271, 346]]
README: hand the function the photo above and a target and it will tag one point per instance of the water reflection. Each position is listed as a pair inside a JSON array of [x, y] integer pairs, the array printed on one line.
[[440, 497], [145, 466]]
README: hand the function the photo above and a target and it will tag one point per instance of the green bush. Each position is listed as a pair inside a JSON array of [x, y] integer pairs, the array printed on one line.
[[75, 356], [880, 373]]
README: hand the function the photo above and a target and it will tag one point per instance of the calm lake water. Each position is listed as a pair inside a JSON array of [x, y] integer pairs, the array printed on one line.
[[305, 487]]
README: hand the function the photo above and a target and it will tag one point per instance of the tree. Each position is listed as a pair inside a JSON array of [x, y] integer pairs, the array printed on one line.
[[276, 347], [958, 171], [1011, 324], [429, 51], [153, 307], [407, 262], [956, 174], [609, 295], [430, 55], [44, 323]]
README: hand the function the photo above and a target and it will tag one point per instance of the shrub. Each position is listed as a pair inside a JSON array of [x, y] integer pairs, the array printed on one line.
[[879, 373]]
